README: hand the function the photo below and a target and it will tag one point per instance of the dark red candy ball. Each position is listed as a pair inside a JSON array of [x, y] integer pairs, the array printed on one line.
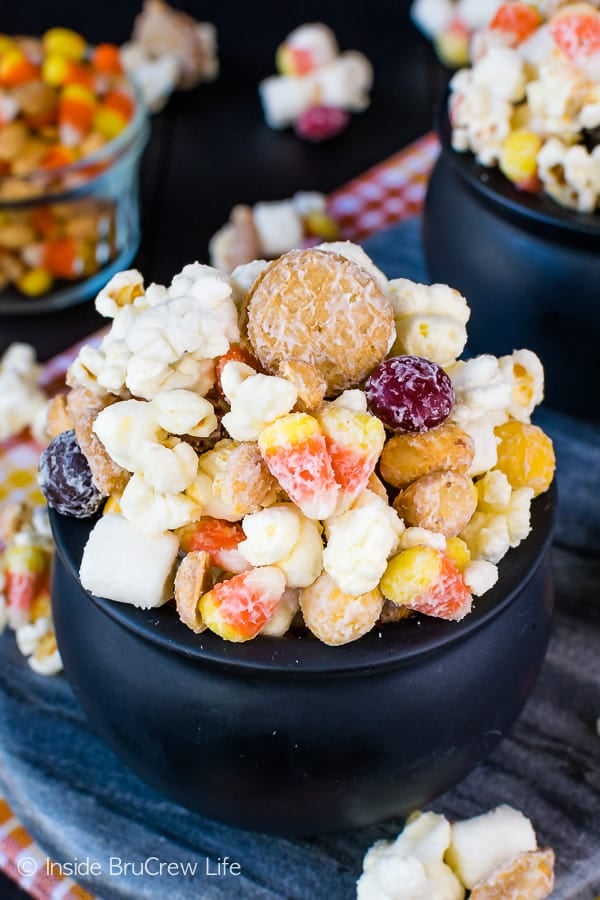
[[409, 393], [319, 123], [66, 478]]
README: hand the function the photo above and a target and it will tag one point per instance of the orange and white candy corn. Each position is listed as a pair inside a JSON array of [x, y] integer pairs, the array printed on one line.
[[354, 442], [294, 449], [426, 581], [239, 608], [26, 570], [220, 539]]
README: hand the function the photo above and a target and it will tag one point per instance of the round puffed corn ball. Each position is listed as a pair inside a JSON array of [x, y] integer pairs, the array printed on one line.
[[442, 502], [518, 160], [407, 457], [337, 618], [526, 456]]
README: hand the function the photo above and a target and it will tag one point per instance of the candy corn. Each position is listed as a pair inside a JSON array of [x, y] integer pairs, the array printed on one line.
[[26, 571], [238, 609], [294, 450], [354, 442], [426, 581], [219, 539]]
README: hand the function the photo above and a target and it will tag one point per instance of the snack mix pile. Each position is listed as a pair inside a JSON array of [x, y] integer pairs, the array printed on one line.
[[317, 86], [495, 856], [530, 103], [296, 442]]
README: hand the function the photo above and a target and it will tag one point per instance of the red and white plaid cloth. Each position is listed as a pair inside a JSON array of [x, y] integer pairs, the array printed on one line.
[[390, 192]]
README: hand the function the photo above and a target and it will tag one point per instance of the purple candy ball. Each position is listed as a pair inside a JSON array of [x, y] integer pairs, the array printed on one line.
[[66, 478], [410, 394]]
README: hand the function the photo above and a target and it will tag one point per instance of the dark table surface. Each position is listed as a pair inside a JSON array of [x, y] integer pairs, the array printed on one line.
[[210, 148]]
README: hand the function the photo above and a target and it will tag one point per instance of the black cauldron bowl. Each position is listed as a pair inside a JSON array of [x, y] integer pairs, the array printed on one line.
[[287, 735], [529, 268]]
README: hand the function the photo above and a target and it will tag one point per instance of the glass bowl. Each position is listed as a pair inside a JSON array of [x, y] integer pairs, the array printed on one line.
[[84, 216]]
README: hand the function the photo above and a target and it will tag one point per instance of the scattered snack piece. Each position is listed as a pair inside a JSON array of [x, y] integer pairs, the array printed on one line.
[[494, 855], [22, 402], [169, 49], [317, 86], [352, 488], [191, 582], [269, 229]]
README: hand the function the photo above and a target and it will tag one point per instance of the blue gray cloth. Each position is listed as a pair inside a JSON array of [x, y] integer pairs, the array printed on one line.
[[78, 800]]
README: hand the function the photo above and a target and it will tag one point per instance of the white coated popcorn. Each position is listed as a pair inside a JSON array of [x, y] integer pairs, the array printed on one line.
[[480, 387], [524, 370], [359, 543], [153, 512], [166, 340], [571, 175], [256, 402], [283, 537], [212, 464], [556, 98], [480, 576], [502, 518], [155, 76], [484, 843], [22, 403], [501, 72], [122, 563], [316, 39], [481, 121], [123, 289], [36, 641], [412, 867], [279, 227], [430, 320], [183, 412], [422, 537], [353, 398], [243, 277], [481, 431]]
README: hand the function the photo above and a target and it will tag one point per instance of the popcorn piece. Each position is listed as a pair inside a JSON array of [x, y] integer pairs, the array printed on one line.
[[480, 845], [141, 565], [21, 400], [337, 618], [422, 537], [37, 642], [153, 512], [430, 320], [571, 175], [481, 432], [524, 369], [243, 277], [294, 450], [359, 542], [211, 465], [183, 412], [191, 582], [256, 401], [426, 581], [412, 867], [155, 77], [283, 537], [502, 519], [480, 387], [281, 620], [218, 538], [480, 576], [239, 608], [279, 227], [481, 120], [123, 289], [354, 441], [529, 875], [501, 72]]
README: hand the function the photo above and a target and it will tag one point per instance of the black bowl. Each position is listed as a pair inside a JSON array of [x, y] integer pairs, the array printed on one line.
[[287, 735], [529, 268]]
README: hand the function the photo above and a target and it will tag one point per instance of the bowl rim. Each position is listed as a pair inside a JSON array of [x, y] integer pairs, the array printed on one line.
[[390, 646], [537, 207]]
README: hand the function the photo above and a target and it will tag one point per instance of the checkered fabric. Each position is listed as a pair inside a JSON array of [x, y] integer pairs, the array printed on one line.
[[388, 193]]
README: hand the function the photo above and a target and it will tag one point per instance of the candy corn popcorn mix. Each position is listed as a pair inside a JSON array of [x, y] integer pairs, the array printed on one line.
[[304, 452], [61, 102], [530, 102], [493, 856]]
